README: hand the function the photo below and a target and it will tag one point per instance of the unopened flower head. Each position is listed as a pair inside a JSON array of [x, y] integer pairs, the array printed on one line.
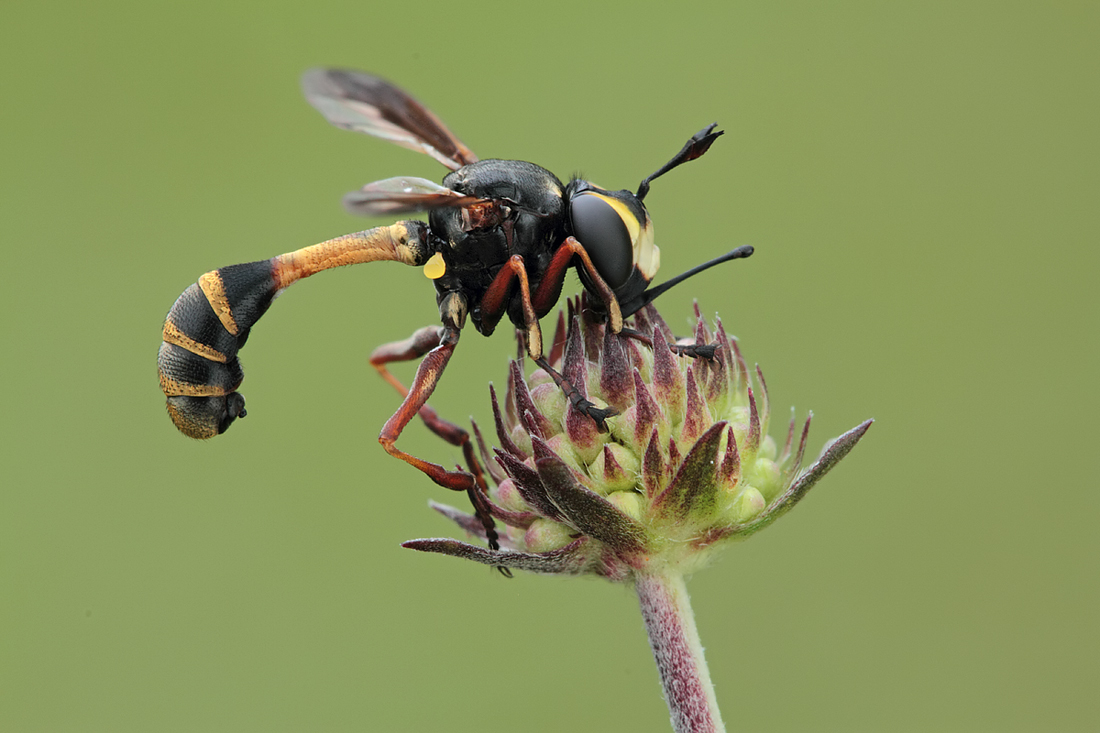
[[685, 466]]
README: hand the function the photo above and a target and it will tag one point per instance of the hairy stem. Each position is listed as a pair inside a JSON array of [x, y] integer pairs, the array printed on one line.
[[670, 624]]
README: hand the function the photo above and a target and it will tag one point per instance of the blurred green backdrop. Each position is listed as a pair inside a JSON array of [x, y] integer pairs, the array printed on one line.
[[920, 181]]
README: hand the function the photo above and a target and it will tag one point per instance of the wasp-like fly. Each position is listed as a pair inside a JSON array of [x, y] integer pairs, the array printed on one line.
[[500, 237]]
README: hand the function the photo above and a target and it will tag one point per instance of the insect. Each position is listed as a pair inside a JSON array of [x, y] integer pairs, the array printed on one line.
[[500, 237]]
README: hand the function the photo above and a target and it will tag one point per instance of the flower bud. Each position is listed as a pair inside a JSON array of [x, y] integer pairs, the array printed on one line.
[[684, 465]]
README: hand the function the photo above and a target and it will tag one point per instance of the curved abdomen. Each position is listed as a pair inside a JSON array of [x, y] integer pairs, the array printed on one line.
[[211, 320], [204, 330]]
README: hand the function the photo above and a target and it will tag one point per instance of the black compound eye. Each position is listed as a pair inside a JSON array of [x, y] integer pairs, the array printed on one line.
[[600, 228]]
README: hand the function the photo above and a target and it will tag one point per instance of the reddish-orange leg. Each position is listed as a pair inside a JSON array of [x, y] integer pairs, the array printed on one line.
[[420, 343], [435, 344], [494, 303], [549, 289]]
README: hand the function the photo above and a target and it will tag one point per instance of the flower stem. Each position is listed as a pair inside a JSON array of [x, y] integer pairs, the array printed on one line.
[[670, 624]]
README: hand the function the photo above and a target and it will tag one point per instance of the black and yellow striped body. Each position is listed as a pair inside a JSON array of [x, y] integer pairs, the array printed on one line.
[[207, 326], [211, 320]]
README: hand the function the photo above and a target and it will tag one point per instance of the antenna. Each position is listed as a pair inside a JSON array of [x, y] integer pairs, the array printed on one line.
[[650, 294], [699, 143]]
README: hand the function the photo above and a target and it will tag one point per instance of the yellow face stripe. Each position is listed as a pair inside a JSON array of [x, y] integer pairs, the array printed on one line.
[[632, 226], [647, 256], [214, 290], [173, 335]]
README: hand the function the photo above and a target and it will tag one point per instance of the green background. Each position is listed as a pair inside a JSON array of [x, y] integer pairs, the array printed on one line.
[[919, 180]]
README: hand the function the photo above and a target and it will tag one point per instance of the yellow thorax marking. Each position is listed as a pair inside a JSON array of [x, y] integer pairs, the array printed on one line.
[[435, 267]]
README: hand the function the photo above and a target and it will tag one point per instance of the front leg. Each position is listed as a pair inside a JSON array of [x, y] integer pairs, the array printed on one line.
[[549, 289], [579, 402], [495, 302]]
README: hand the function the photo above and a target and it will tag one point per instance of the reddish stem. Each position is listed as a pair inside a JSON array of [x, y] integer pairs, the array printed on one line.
[[670, 624]]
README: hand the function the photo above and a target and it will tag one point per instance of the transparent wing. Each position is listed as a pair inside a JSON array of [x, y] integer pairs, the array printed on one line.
[[364, 103], [404, 195]]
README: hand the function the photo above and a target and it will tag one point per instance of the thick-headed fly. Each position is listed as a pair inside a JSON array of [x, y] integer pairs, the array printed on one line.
[[500, 237]]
